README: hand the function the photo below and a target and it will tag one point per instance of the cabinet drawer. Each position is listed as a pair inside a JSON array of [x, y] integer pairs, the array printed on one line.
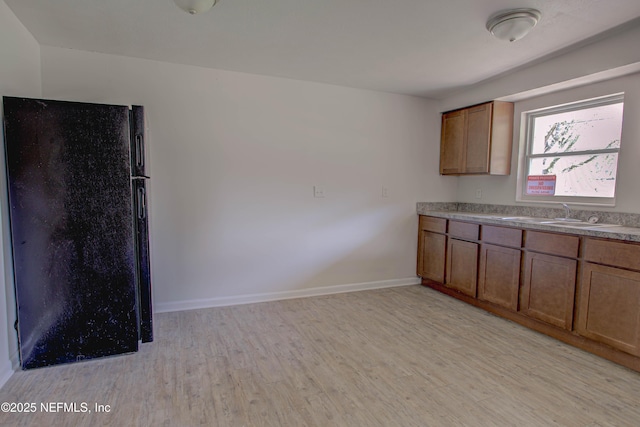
[[464, 230], [550, 243], [618, 254], [502, 236], [429, 223]]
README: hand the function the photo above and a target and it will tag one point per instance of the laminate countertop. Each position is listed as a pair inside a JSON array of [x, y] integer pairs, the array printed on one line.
[[623, 228]]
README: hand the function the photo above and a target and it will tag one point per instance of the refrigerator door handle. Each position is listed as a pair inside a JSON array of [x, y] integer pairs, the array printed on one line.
[[139, 151], [142, 208]]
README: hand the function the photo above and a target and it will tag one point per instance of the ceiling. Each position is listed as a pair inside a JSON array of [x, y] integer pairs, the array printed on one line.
[[427, 48]]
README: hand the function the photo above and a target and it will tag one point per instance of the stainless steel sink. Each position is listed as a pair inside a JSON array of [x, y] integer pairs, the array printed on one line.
[[584, 225], [565, 222], [527, 219]]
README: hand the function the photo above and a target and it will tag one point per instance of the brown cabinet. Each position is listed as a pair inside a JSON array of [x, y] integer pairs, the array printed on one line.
[[584, 291], [462, 266], [432, 245], [548, 289], [549, 277], [610, 307], [477, 140], [553, 244], [499, 275], [462, 257], [452, 142], [609, 298], [499, 270]]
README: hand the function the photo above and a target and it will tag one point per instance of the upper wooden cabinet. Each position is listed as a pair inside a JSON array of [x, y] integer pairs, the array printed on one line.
[[477, 140]]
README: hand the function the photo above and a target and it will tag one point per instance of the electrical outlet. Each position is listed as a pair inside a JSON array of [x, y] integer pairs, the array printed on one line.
[[318, 191], [478, 193], [385, 191]]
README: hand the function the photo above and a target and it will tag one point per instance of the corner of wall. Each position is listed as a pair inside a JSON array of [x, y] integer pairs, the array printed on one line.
[[20, 75]]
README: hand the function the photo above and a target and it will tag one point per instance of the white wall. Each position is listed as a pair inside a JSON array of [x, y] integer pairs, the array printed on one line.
[[590, 71], [19, 76], [234, 158]]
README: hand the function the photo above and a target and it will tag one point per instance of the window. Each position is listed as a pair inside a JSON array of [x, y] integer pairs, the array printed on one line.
[[571, 152]]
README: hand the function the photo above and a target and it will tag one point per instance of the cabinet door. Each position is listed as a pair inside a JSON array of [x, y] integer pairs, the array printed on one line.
[[478, 139], [431, 254], [548, 289], [452, 142], [609, 307], [462, 266], [499, 275]]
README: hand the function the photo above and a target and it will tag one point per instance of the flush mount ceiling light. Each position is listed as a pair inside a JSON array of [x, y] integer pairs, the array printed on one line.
[[514, 24], [195, 6]]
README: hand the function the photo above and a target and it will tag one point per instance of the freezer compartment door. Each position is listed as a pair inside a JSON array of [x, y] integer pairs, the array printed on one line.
[[138, 166]]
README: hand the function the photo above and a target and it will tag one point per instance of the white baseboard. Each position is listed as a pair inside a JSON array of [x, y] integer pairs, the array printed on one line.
[[15, 360], [274, 296], [5, 374], [10, 367]]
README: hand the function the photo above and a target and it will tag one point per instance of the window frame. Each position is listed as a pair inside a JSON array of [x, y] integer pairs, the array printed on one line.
[[526, 147]]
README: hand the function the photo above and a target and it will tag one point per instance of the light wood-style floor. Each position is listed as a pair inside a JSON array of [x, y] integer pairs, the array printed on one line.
[[405, 356]]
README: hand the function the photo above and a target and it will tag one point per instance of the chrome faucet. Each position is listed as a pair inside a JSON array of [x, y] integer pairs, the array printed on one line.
[[567, 211]]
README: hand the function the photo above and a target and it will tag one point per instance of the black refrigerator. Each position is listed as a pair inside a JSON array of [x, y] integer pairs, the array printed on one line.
[[79, 232]]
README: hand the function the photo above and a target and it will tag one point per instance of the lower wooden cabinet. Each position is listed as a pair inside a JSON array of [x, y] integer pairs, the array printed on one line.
[[431, 255], [531, 277], [432, 247], [609, 307], [548, 289], [462, 266], [499, 275]]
